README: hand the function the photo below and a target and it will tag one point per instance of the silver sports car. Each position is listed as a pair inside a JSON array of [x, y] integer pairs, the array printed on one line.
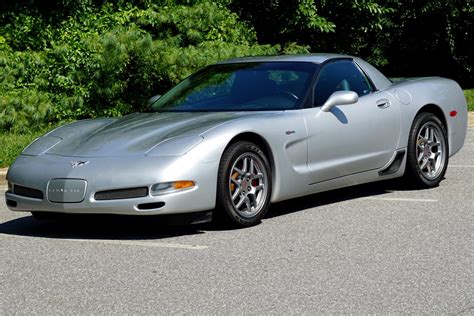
[[235, 136]]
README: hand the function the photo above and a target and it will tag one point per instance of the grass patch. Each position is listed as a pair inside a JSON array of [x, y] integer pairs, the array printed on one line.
[[11, 146], [470, 99]]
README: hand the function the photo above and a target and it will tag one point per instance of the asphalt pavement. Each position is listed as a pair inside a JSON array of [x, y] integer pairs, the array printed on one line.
[[374, 248]]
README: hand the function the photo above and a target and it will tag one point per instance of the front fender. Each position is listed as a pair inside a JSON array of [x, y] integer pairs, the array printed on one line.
[[286, 135]]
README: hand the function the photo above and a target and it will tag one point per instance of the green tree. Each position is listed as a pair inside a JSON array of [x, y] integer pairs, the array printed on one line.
[[278, 21], [108, 58], [404, 38], [432, 38]]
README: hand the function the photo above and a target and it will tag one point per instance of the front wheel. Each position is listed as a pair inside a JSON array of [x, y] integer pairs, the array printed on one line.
[[244, 185], [428, 151]]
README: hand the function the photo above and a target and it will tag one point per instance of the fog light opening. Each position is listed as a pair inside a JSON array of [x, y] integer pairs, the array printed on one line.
[[150, 206], [12, 203]]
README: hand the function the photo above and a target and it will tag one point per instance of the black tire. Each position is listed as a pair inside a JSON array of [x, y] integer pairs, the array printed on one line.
[[416, 174], [253, 186]]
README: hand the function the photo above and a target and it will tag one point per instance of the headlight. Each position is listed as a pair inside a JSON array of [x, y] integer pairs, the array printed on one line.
[[41, 145], [169, 187], [175, 146]]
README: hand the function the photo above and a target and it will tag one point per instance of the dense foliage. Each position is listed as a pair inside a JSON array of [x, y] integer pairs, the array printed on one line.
[[404, 38], [107, 59], [70, 59]]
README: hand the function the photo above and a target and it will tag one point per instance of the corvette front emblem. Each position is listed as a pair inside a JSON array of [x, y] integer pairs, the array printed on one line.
[[79, 163]]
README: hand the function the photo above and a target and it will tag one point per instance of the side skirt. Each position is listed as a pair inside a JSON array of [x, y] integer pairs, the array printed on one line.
[[397, 163]]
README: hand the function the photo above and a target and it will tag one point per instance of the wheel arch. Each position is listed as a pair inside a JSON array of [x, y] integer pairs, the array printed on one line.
[[438, 112], [435, 110], [413, 172], [262, 143]]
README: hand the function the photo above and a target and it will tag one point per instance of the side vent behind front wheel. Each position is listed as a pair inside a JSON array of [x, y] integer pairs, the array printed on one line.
[[395, 165]]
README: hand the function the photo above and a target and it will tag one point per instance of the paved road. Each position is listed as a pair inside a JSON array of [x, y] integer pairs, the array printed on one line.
[[372, 248]]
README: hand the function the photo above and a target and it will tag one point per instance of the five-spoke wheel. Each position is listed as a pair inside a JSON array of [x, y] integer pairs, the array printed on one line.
[[247, 184], [244, 184], [427, 151], [430, 151]]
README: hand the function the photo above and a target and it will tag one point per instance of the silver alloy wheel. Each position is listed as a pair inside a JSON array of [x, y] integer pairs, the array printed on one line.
[[248, 181], [430, 150]]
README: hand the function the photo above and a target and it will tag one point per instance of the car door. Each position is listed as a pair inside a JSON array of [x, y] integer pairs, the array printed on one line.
[[350, 138]]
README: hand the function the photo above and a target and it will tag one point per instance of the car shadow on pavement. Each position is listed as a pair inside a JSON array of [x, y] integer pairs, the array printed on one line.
[[152, 227], [97, 227], [334, 196]]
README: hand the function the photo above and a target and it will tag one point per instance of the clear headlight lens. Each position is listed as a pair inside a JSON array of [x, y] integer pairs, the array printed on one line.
[[169, 187]]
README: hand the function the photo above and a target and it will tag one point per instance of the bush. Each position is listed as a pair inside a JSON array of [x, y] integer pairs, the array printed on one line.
[[13, 144], [107, 60]]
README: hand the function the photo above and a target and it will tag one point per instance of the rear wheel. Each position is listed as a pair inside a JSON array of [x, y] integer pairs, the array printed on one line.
[[244, 185], [428, 151]]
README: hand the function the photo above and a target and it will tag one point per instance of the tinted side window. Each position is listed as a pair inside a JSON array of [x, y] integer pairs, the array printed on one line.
[[340, 75]]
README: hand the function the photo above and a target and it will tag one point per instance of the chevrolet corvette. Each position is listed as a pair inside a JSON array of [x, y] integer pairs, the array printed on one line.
[[238, 135]]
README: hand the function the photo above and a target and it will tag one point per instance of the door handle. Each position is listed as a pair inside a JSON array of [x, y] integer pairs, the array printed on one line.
[[383, 103]]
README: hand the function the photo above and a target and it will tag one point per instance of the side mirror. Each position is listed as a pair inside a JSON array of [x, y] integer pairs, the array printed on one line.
[[153, 99], [339, 98]]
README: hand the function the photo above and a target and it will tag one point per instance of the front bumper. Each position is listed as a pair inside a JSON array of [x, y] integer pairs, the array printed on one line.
[[105, 173]]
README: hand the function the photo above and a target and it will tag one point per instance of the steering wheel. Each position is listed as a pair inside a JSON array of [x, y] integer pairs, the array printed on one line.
[[288, 94]]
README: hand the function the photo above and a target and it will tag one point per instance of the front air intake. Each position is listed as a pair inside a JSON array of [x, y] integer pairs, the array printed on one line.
[[27, 192], [150, 206], [121, 194]]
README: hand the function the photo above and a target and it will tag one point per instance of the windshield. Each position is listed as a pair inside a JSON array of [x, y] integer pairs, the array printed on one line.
[[240, 87]]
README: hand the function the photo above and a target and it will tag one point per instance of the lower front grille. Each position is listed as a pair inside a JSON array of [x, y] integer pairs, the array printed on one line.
[[27, 192], [121, 194]]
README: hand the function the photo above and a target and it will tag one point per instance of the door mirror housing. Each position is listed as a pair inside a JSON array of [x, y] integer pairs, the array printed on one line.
[[339, 98], [153, 99]]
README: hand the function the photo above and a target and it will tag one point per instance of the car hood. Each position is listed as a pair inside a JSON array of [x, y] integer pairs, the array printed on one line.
[[134, 134]]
